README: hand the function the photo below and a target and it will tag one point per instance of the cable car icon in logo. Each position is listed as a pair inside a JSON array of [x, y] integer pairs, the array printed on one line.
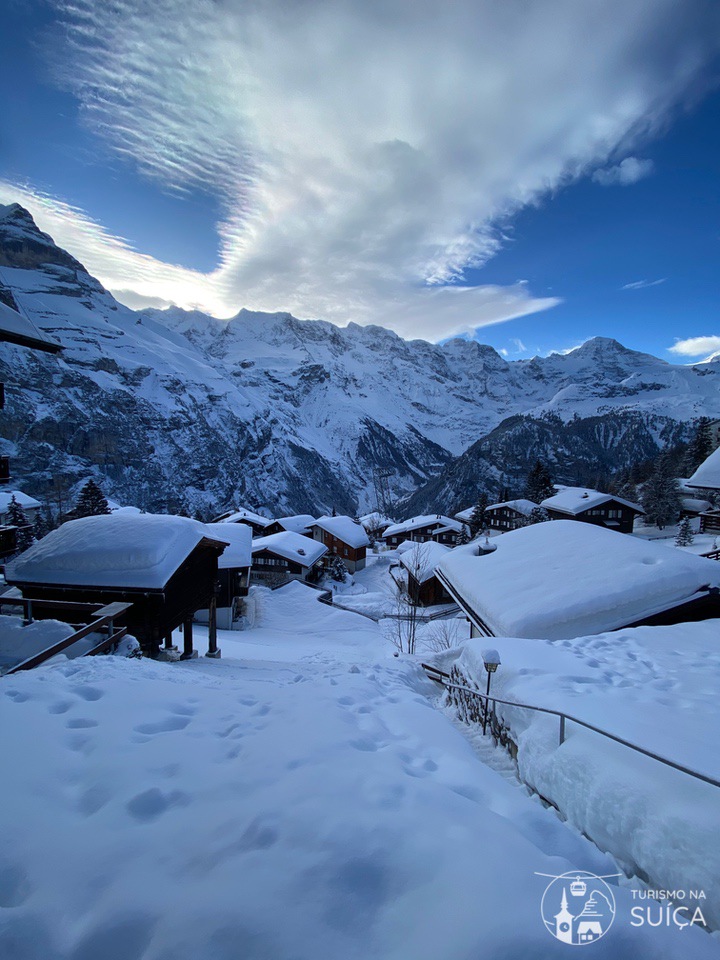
[[578, 907]]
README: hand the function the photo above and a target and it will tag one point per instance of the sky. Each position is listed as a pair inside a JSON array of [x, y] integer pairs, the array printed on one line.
[[531, 173]]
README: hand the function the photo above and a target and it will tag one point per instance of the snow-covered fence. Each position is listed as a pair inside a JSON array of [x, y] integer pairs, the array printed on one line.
[[474, 706]]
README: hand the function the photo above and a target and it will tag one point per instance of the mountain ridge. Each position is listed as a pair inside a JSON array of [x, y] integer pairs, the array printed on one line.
[[178, 410]]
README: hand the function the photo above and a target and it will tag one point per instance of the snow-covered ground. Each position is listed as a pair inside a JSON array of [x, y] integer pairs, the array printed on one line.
[[301, 798], [654, 686]]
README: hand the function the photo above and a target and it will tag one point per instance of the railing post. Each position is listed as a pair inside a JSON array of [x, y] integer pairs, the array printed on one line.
[[28, 613], [562, 729]]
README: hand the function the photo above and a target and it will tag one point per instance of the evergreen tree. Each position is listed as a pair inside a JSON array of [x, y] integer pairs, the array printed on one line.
[[539, 484], [685, 535], [16, 517], [477, 519], [336, 568], [463, 537], [537, 515], [700, 447], [41, 526], [661, 494], [91, 502]]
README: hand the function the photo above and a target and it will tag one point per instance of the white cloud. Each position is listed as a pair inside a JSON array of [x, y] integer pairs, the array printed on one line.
[[628, 171], [695, 346], [363, 153], [642, 284]]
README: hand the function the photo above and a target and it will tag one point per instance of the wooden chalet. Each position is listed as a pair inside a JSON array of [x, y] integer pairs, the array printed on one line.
[[509, 515], [561, 580], [233, 580], [707, 477], [420, 563], [257, 523], [344, 537], [434, 527], [286, 556], [592, 506], [299, 523], [166, 567]]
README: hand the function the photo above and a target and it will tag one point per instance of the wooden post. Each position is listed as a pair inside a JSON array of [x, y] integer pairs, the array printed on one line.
[[188, 652], [213, 650], [169, 645]]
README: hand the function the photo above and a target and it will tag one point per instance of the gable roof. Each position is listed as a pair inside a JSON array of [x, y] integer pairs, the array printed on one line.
[[575, 500], [525, 507], [298, 523], [565, 579], [242, 514], [416, 523], [707, 474], [25, 501], [238, 536], [422, 559], [291, 546], [137, 551], [344, 528]]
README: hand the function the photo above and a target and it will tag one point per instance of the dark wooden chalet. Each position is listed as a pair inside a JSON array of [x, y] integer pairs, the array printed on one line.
[[286, 556], [233, 579], [344, 537], [167, 567], [300, 523], [591, 506], [257, 523], [423, 529], [509, 515], [420, 563]]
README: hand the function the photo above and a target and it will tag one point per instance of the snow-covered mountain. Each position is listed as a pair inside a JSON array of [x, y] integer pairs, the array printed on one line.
[[173, 408]]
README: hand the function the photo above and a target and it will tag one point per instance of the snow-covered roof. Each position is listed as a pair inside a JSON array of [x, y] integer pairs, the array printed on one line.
[[14, 328], [238, 536], [344, 528], [465, 516], [246, 515], [415, 523], [693, 505], [291, 546], [127, 550], [25, 501], [422, 559], [375, 520], [525, 507], [567, 579], [299, 523], [707, 474], [575, 500]]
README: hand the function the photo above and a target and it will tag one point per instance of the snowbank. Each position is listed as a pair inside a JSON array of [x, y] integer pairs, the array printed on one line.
[[655, 686]]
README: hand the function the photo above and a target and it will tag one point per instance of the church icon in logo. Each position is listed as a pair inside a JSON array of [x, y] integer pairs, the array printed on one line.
[[578, 908]]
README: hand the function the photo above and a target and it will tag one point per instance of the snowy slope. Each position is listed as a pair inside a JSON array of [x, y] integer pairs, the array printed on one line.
[[177, 408], [300, 799]]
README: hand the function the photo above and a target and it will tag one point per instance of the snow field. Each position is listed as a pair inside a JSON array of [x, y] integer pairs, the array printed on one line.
[[655, 686], [299, 799]]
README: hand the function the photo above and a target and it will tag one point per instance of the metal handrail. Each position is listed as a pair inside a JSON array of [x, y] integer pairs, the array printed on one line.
[[566, 716]]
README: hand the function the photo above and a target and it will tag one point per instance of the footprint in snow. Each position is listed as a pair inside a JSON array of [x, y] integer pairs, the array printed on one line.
[[89, 693], [17, 696], [152, 803], [163, 726], [62, 706], [15, 887], [81, 723]]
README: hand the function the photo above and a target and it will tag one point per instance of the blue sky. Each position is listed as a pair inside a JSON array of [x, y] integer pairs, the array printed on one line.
[[533, 174]]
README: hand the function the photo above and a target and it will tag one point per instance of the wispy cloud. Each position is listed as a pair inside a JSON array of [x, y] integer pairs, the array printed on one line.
[[628, 171], [642, 284], [363, 153], [695, 346]]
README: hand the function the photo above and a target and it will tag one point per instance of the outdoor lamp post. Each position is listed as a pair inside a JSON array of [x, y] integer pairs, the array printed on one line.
[[491, 659]]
